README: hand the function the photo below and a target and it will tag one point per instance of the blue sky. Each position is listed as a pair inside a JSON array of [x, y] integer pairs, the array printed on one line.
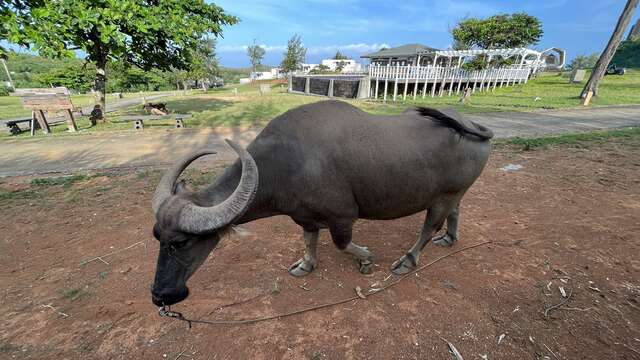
[[356, 27]]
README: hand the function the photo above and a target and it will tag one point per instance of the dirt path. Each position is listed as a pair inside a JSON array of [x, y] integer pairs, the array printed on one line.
[[568, 218], [159, 147]]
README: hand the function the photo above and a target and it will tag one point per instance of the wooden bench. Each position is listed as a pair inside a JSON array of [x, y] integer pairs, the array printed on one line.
[[138, 120], [43, 101]]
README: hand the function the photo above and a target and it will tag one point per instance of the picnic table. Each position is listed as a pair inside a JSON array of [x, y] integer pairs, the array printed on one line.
[[42, 102]]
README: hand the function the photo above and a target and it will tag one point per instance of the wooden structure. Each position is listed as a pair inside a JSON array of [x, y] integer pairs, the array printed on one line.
[[449, 77], [138, 120], [42, 102]]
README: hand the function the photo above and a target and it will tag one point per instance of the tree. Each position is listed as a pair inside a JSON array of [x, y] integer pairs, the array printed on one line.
[[204, 62], [584, 62], [146, 33], [255, 53], [295, 55], [609, 51], [628, 54], [498, 31], [340, 56]]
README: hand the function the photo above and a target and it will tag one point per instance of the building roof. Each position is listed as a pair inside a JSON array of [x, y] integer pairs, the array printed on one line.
[[404, 50]]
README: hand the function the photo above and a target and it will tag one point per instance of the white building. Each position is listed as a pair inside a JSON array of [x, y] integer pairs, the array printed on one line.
[[305, 68], [348, 65], [274, 73]]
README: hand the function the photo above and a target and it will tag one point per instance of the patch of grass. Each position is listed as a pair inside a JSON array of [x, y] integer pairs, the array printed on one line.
[[581, 139], [247, 107], [65, 181], [75, 294], [547, 91], [104, 274], [19, 195], [7, 347]]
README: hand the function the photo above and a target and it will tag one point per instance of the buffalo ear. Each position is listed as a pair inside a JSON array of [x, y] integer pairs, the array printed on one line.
[[181, 187]]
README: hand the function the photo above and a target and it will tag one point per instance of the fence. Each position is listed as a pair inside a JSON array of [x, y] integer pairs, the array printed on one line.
[[440, 80]]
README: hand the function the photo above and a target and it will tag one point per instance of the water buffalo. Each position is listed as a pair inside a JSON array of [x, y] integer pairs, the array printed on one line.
[[325, 164]]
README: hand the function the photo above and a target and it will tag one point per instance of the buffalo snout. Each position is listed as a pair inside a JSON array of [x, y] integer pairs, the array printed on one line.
[[169, 296]]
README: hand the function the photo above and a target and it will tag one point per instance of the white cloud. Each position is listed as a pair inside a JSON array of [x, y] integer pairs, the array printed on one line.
[[311, 50]]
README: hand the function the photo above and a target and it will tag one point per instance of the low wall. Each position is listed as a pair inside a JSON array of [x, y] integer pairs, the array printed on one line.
[[346, 86]]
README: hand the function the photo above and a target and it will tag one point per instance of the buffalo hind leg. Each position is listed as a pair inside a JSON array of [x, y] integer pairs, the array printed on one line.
[[309, 261], [341, 233], [451, 236], [436, 215]]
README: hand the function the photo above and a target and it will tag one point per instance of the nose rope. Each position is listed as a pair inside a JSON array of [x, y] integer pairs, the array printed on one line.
[[165, 310]]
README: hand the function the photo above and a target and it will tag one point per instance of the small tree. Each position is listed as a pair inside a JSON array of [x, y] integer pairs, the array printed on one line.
[[340, 56], [148, 34], [499, 31], [255, 53], [204, 62], [584, 62], [295, 55]]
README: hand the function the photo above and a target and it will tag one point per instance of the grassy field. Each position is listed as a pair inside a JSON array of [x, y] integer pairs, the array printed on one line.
[[11, 107], [547, 91], [237, 105]]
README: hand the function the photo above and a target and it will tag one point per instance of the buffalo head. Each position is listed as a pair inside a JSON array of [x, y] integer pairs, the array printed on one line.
[[188, 228]]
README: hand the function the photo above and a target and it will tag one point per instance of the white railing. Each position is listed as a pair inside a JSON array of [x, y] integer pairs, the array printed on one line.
[[438, 73]]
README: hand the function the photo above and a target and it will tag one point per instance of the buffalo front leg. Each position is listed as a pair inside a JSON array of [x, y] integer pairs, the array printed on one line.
[[341, 233], [436, 216], [451, 236], [308, 262]]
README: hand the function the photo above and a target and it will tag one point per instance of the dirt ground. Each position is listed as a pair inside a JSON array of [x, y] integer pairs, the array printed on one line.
[[569, 218]]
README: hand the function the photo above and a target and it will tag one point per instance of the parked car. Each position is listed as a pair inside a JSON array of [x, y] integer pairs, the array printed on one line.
[[615, 70]]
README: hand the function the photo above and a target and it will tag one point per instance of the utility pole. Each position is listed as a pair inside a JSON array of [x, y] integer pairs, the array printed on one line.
[[591, 88]]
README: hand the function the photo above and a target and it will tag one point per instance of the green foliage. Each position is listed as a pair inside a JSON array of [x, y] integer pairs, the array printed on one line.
[[628, 54], [145, 33], [321, 69], [498, 31], [65, 181], [4, 90], [340, 56], [255, 53], [584, 61], [204, 63], [74, 77], [149, 34], [295, 55]]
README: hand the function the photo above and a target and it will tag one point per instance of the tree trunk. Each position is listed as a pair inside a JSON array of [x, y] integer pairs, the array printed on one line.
[[610, 50], [101, 81]]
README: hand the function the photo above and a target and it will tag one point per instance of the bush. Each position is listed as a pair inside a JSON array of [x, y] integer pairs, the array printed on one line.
[[4, 90]]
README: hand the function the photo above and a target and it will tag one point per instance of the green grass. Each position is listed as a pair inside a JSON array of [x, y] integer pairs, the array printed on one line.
[[578, 139], [552, 90], [243, 105], [65, 181], [11, 106], [75, 294], [7, 196]]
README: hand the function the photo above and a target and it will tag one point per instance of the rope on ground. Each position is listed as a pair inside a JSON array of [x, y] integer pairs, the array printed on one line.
[[165, 311]]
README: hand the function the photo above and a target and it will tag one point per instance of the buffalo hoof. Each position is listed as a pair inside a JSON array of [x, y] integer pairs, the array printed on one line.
[[403, 265], [301, 268], [366, 266], [444, 240]]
